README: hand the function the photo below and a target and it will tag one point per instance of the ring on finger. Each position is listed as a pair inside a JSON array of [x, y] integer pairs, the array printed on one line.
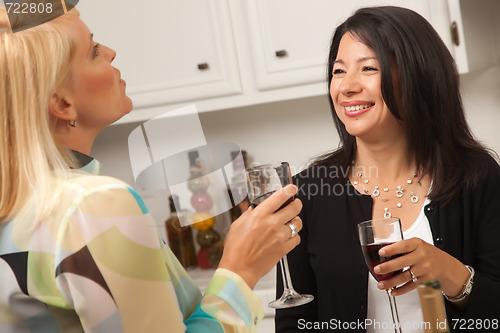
[[413, 277], [293, 228]]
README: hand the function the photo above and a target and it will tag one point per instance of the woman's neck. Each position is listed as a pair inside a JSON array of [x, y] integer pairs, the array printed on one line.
[[388, 162], [78, 140]]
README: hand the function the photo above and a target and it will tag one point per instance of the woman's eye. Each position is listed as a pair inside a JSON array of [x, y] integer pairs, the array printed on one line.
[[368, 68], [96, 50], [338, 71]]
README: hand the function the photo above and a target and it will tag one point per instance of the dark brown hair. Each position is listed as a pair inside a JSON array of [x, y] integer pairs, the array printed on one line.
[[420, 85]]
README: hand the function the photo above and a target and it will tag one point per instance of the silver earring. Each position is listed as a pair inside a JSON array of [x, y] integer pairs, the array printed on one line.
[[73, 124]]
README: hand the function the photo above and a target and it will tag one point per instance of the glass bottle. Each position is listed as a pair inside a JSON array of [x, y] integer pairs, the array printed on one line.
[[180, 239], [209, 240], [433, 310]]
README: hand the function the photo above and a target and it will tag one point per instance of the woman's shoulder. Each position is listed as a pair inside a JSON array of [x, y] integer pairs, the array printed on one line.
[[88, 180], [485, 167], [490, 170], [481, 176], [104, 192]]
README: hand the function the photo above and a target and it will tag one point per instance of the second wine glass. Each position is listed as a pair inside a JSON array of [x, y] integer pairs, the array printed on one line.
[[263, 181], [374, 235]]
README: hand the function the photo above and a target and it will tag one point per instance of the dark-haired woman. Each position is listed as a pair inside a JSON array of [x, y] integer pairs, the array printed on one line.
[[406, 151]]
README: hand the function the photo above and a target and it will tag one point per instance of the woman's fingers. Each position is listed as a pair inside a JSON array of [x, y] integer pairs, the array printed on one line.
[[407, 256], [425, 262], [289, 212], [292, 228], [404, 280], [404, 246], [277, 199], [407, 287], [262, 235]]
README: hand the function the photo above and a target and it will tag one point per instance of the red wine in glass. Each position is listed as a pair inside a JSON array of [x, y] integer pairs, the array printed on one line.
[[373, 259], [257, 201], [374, 235]]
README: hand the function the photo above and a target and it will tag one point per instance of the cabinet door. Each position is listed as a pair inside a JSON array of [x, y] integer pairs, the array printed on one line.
[[467, 27], [290, 39], [474, 32], [168, 51]]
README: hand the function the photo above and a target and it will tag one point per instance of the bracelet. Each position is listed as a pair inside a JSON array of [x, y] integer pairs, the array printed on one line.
[[466, 290]]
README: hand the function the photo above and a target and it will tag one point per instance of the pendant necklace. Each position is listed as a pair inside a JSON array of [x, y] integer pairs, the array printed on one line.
[[386, 193]]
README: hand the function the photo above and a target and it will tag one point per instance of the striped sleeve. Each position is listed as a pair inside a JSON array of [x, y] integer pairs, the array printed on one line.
[[113, 268]]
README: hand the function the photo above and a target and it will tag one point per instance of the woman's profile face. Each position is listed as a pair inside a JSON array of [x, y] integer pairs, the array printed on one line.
[[96, 89], [356, 91]]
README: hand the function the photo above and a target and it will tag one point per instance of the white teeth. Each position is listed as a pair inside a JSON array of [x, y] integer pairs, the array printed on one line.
[[358, 107]]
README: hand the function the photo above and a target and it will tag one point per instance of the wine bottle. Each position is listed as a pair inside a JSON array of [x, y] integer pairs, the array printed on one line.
[[433, 310], [180, 239]]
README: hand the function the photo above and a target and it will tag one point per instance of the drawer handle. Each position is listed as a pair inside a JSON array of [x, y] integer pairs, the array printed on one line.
[[203, 66], [454, 33], [281, 53]]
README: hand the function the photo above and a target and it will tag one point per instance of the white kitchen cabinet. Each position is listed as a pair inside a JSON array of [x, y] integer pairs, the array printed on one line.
[[290, 38], [467, 27], [477, 33], [169, 51], [223, 54]]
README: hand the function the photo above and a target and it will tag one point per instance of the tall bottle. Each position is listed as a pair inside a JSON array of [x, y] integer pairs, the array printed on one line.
[[180, 239], [433, 310]]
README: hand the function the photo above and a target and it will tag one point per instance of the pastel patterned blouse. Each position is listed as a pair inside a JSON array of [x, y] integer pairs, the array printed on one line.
[[98, 265]]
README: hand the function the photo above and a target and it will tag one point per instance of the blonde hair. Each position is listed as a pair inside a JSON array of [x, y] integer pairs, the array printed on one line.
[[33, 64]]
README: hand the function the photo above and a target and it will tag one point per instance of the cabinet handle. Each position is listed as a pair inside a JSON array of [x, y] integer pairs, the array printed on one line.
[[203, 66], [281, 53], [454, 33]]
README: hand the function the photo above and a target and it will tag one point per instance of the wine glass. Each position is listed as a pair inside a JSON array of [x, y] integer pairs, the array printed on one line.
[[374, 235], [263, 181]]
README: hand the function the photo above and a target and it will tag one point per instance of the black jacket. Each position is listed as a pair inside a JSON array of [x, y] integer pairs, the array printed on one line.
[[329, 263]]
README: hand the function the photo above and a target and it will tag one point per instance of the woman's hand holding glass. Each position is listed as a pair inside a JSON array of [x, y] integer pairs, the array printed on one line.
[[426, 262], [261, 236]]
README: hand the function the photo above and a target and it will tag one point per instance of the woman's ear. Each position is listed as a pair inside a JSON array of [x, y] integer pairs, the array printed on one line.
[[60, 108]]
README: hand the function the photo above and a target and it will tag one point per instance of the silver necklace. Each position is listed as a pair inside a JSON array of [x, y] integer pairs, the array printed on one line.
[[385, 192]]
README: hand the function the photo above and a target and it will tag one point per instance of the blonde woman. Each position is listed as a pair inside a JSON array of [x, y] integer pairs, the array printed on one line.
[[76, 250]]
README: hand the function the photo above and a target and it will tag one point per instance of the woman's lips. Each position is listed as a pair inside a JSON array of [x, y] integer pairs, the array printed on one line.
[[355, 110]]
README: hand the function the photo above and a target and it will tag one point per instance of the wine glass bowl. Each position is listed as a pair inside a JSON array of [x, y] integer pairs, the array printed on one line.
[[263, 181], [374, 235]]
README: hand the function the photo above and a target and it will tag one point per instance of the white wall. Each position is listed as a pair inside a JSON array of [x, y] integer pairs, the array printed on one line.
[[481, 96], [292, 131]]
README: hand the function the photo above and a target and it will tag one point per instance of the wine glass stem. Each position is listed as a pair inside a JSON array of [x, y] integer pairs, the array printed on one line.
[[394, 313], [285, 274]]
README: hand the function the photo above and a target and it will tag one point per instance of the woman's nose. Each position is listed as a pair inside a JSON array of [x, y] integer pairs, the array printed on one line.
[[350, 84], [109, 53]]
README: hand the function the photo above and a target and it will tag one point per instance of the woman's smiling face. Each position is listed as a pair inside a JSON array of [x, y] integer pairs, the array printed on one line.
[[356, 91]]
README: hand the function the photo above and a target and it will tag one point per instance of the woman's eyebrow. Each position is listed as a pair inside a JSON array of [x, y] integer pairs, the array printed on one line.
[[361, 59]]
